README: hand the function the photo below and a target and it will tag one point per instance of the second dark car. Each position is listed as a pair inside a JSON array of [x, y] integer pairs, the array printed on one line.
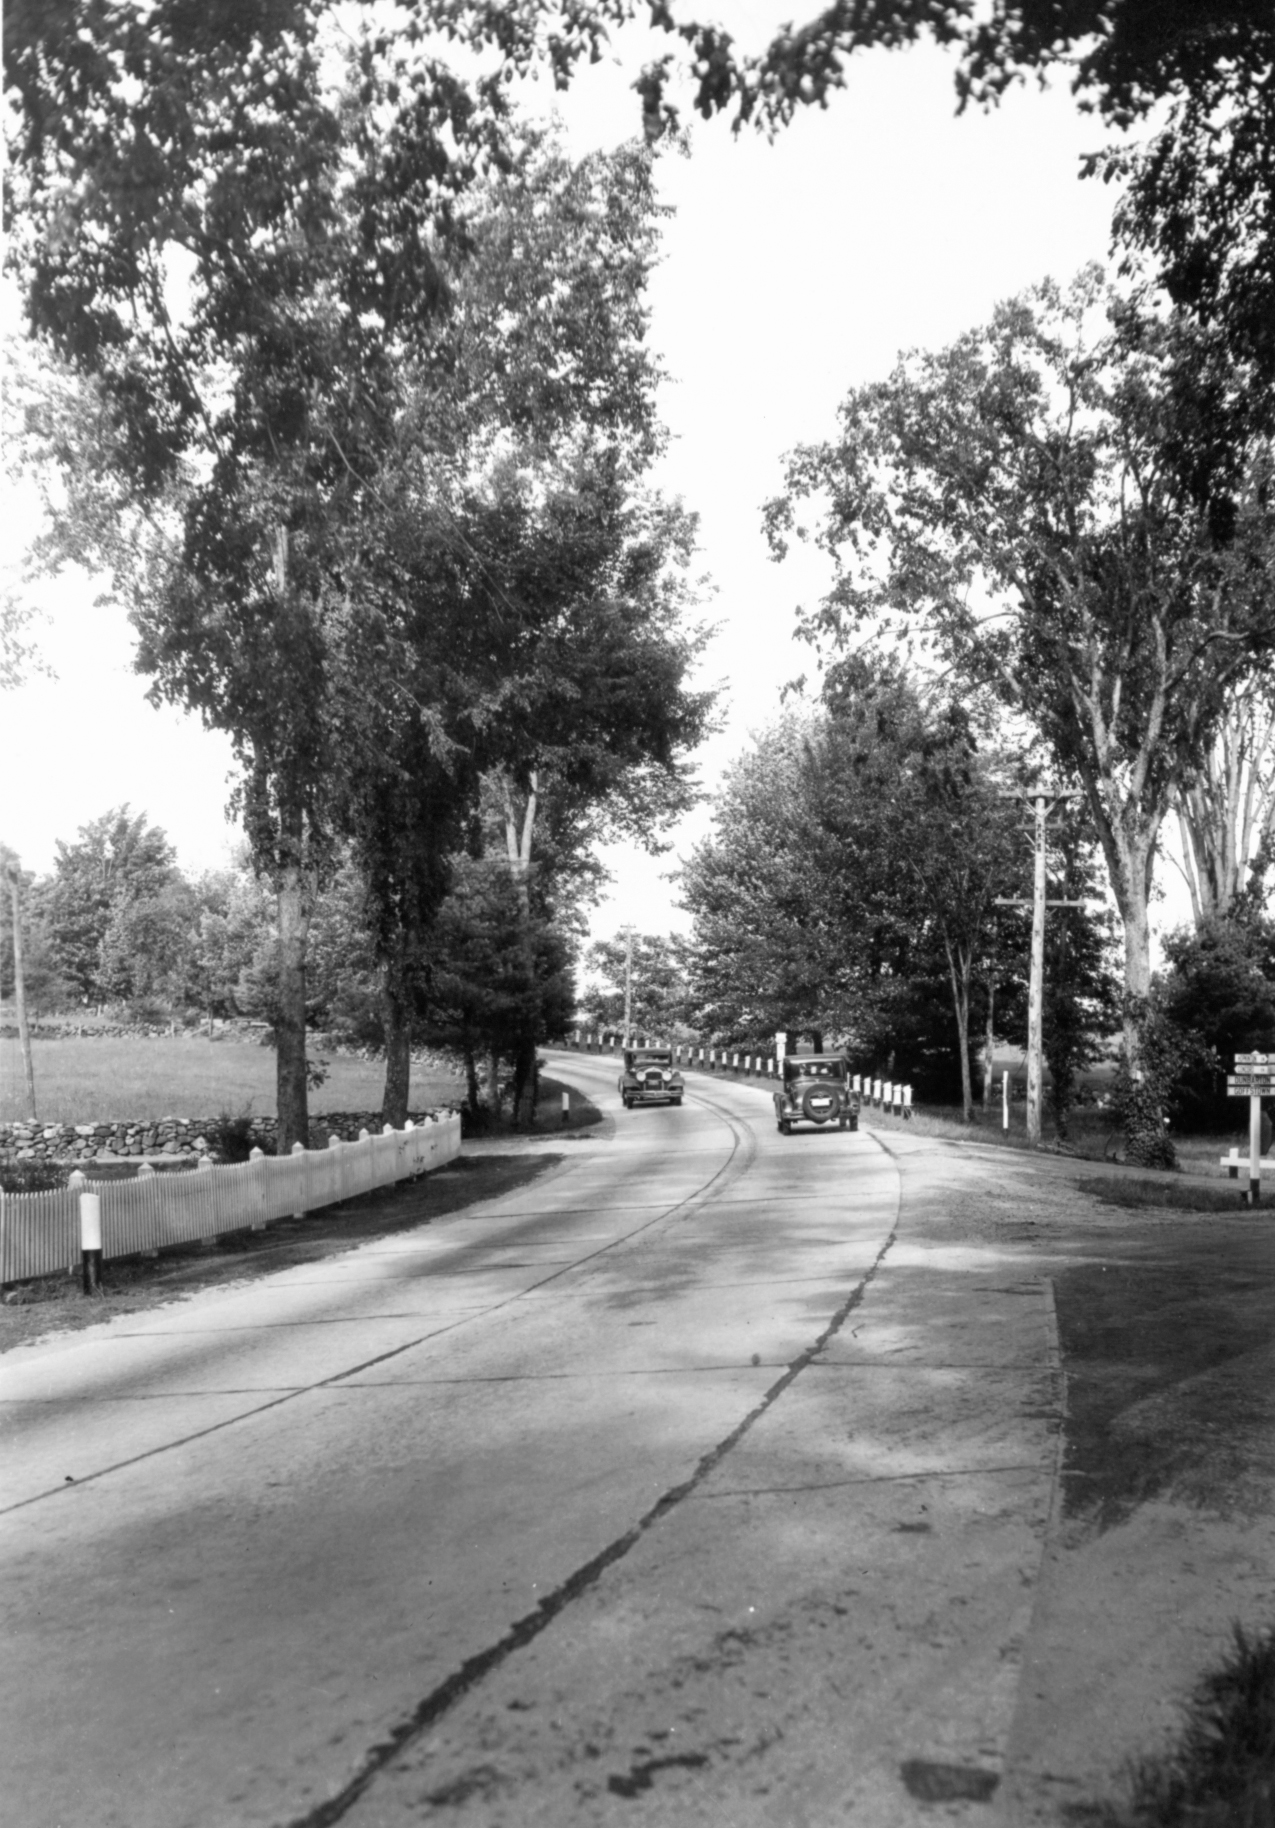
[[650, 1077]]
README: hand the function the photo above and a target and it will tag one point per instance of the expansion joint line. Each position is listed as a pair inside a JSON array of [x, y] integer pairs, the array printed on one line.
[[476, 1668]]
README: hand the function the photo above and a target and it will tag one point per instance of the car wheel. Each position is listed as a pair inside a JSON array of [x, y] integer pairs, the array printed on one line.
[[676, 1100], [785, 1128]]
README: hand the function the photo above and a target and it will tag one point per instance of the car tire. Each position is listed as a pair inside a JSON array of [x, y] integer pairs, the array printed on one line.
[[785, 1127], [676, 1100]]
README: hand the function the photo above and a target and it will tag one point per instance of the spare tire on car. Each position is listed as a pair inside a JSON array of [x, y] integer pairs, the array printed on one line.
[[821, 1103]]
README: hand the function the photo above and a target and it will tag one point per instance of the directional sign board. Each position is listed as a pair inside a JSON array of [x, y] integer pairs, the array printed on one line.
[[1253, 1077]]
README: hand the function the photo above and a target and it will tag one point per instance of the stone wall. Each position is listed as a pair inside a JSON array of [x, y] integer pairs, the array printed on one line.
[[167, 1136]]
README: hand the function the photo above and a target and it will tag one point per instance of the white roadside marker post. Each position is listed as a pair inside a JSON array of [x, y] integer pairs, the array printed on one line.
[[90, 1234], [1005, 1099], [566, 1107]]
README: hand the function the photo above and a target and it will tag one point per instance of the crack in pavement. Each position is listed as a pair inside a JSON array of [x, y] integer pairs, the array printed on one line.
[[526, 1629]]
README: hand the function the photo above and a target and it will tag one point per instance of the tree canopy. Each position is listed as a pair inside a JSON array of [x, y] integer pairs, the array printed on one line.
[[1199, 198], [1031, 499], [1121, 55]]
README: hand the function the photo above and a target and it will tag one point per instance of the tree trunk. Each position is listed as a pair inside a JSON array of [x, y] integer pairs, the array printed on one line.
[[524, 1104], [989, 1048], [294, 926], [960, 978], [472, 1087], [396, 1015], [1130, 854], [1134, 912]]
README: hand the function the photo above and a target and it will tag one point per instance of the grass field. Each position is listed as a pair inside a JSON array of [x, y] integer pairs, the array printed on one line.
[[95, 1081]]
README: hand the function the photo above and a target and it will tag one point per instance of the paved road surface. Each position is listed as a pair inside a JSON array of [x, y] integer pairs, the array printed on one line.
[[680, 1486]]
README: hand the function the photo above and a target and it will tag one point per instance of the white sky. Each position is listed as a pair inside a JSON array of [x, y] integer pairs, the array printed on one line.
[[791, 272]]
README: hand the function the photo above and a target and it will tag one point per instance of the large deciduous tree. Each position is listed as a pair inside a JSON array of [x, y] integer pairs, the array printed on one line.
[[235, 249], [542, 591], [852, 873], [1025, 498], [316, 309]]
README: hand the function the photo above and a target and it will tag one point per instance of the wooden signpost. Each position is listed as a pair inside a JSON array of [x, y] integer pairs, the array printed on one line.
[[1254, 1079]]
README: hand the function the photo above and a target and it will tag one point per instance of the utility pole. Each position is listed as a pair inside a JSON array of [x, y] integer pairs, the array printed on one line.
[[1044, 804], [9, 869], [628, 986]]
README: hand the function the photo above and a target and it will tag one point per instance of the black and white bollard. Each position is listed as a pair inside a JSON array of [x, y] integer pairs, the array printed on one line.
[[566, 1107], [90, 1234]]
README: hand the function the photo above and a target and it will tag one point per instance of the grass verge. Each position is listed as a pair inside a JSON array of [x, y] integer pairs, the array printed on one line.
[[55, 1304], [1184, 1195], [582, 1115], [78, 1080], [1221, 1773]]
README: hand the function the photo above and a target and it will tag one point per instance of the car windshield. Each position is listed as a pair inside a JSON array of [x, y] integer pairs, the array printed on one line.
[[650, 1059], [814, 1069]]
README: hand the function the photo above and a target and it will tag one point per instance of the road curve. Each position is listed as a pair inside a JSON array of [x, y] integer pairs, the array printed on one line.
[[635, 1493]]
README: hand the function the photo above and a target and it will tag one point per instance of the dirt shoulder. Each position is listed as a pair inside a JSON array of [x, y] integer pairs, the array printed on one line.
[[1163, 1529]]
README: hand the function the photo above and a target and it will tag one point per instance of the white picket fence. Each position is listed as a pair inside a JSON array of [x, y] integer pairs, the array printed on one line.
[[40, 1232]]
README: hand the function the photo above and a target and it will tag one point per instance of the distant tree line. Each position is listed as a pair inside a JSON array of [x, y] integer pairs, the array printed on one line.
[[117, 926]]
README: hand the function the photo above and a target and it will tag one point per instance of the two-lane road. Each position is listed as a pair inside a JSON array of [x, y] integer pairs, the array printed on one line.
[[249, 1535]]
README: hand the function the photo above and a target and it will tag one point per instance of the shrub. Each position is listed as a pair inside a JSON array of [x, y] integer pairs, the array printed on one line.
[[231, 1139], [32, 1176]]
